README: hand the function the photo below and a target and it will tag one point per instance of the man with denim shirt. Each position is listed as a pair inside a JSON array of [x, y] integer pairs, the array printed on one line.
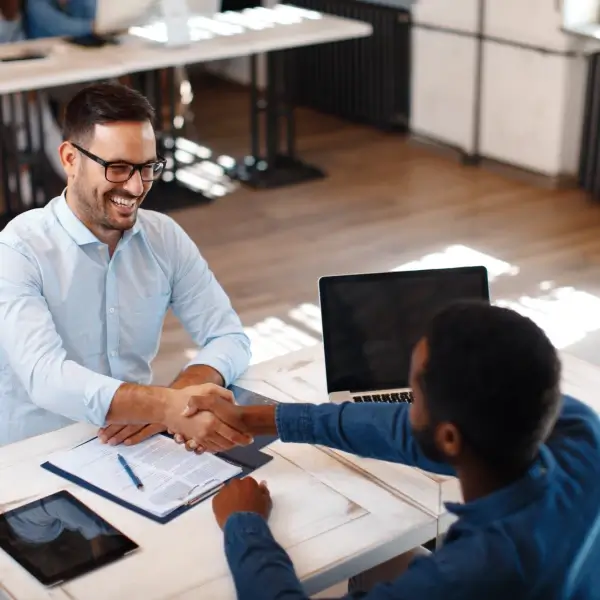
[[487, 408], [86, 281]]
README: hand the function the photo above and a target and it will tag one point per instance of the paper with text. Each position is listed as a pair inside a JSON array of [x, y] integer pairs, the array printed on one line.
[[171, 475]]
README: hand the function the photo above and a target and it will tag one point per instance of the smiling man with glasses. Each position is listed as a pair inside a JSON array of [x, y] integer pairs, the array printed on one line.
[[86, 281]]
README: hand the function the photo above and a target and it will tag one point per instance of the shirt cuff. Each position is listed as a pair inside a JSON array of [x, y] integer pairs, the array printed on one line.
[[294, 422], [99, 394], [210, 360], [242, 523]]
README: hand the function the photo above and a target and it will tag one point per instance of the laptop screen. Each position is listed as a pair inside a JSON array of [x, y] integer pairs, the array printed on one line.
[[371, 322]]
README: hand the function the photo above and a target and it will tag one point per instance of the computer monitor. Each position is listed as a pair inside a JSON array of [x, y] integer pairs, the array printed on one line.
[[119, 15]]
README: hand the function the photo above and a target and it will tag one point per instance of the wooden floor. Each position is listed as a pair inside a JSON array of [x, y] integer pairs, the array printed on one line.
[[385, 202]]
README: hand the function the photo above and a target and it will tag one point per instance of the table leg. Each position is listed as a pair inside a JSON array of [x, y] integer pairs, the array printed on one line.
[[183, 183], [6, 212], [274, 167], [16, 154]]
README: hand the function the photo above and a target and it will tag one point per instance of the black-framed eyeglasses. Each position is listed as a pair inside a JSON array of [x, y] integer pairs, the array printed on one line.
[[121, 172]]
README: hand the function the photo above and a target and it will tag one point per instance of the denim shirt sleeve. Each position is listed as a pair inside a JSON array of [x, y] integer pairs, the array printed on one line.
[[205, 311], [380, 431], [35, 351], [260, 567], [262, 570]]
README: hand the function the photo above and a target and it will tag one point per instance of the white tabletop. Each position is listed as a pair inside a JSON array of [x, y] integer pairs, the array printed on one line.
[[333, 521], [67, 64]]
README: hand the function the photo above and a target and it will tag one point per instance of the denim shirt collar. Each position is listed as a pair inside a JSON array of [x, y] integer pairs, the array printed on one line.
[[510, 498]]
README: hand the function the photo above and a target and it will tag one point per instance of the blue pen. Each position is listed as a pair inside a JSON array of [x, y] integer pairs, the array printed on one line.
[[136, 480]]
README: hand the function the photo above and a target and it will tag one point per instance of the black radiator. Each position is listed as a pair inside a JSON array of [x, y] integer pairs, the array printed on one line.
[[589, 158], [365, 80]]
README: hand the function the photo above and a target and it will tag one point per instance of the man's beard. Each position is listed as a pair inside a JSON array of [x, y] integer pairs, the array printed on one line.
[[97, 209], [425, 439]]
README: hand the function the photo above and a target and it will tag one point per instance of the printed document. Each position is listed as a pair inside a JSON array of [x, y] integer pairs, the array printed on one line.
[[171, 475]]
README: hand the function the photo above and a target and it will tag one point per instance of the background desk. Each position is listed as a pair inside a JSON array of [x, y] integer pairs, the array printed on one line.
[[268, 163]]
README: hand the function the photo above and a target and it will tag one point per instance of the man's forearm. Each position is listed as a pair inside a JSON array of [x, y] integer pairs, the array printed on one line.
[[260, 567], [138, 404], [375, 431], [260, 420], [196, 375]]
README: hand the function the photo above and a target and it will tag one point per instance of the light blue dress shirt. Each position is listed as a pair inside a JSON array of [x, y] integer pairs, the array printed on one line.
[[75, 324]]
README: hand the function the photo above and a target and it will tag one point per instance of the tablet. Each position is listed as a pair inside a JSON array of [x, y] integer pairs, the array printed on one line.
[[58, 538]]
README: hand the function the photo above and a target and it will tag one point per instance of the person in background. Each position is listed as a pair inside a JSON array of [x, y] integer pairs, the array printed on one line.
[[33, 19], [488, 409], [11, 25], [59, 18], [86, 281]]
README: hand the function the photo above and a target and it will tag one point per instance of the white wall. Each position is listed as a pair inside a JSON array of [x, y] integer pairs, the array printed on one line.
[[453, 14], [531, 98], [529, 107], [442, 87], [576, 12]]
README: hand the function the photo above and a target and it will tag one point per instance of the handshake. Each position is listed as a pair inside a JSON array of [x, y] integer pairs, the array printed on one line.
[[203, 417], [210, 421]]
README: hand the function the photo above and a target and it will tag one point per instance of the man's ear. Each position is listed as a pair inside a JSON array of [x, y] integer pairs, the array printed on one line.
[[449, 440], [68, 158]]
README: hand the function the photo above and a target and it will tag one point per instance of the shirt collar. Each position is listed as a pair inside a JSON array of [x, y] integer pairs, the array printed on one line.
[[77, 230], [511, 498]]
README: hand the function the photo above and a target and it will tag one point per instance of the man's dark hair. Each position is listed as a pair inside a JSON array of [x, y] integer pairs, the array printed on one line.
[[495, 375], [103, 103]]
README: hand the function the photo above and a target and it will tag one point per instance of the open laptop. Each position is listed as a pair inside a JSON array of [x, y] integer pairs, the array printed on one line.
[[371, 323]]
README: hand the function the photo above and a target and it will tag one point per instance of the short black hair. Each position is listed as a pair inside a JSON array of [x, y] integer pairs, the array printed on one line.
[[103, 103], [495, 375]]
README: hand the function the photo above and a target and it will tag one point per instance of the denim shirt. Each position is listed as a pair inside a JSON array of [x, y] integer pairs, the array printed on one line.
[[536, 539], [45, 18]]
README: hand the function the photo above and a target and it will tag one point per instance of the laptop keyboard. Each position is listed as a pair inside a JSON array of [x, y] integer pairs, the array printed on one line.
[[389, 398]]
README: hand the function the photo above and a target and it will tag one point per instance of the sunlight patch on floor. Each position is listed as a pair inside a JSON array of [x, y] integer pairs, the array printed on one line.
[[566, 314], [461, 256]]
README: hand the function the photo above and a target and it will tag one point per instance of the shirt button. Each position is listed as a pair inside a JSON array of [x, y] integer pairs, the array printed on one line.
[[113, 353], [111, 310]]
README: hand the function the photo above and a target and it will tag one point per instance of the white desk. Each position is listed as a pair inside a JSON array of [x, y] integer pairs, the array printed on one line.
[[362, 525], [302, 375], [66, 63]]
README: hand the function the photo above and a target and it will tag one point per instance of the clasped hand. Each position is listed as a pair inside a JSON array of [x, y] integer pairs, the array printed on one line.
[[204, 417], [210, 420]]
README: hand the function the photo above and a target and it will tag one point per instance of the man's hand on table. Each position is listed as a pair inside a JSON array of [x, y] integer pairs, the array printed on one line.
[[242, 495], [128, 434]]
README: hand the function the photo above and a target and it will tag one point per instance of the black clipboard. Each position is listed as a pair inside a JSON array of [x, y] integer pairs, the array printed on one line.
[[248, 458]]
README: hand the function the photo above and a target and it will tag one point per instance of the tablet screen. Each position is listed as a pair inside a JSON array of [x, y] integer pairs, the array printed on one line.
[[58, 538]]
